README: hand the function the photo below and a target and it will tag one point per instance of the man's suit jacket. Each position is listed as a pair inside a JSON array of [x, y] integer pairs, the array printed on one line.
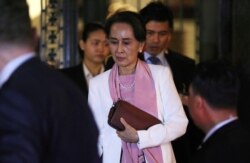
[[76, 74], [44, 118], [182, 69], [229, 144]]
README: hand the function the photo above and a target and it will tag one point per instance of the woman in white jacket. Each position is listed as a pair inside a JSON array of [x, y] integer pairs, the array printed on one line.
[[149, 87]]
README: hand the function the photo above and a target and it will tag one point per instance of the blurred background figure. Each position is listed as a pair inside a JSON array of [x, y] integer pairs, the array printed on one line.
[[43, 116], [94, 49], [213, 96]]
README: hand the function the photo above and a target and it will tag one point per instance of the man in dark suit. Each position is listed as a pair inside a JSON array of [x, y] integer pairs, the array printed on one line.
[[212, 100], [44, 118], [158, 19]]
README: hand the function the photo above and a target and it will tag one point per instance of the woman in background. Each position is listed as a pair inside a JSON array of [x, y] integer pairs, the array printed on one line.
[[94, 47]]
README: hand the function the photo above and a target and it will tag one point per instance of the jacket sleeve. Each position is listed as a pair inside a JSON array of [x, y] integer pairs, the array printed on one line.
[[19, 139], [170, 111]]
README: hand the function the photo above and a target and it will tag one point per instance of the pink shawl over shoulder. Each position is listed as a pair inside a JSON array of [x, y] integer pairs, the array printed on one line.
[[144, 98]]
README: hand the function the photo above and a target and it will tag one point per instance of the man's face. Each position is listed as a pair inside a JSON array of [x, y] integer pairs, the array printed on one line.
[[158, 37]]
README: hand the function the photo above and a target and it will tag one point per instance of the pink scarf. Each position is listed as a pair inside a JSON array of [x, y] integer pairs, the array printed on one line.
[[144, 98]]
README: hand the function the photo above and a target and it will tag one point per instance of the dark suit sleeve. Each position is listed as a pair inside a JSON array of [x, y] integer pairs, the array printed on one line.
[[30, 134], [44, 118], [182, 68], [19, 135]]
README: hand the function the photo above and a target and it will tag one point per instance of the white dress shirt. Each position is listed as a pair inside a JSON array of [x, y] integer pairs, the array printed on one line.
[[88, 74], [161, 56]]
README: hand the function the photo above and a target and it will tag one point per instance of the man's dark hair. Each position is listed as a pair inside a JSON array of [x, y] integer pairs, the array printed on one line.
[[217, 82], [15, 23], [131, 18], [87, 30], [157, 11]]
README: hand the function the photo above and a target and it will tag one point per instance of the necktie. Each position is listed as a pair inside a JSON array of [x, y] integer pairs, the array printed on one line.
[[155, 60]]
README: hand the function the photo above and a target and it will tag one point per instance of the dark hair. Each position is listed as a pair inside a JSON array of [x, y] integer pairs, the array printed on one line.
[[131, 18], [157, 11], [15, 23], [217, 82], [91, 27]]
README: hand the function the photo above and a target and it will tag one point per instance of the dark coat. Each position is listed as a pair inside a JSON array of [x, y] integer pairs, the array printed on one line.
[[76, 74], [229, 144], [44, 118], [182, 68]]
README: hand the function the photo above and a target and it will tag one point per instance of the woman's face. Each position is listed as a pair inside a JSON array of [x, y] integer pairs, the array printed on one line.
[[96, 47], [123, 46]]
